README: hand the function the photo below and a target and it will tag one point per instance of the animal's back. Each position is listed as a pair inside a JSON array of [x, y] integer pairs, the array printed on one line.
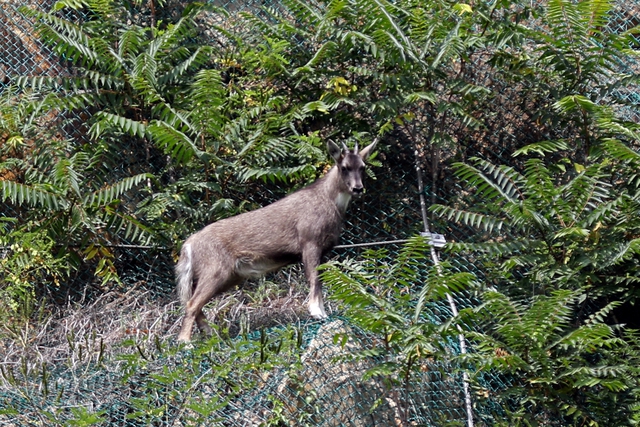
[[279, 226], [262, 240]]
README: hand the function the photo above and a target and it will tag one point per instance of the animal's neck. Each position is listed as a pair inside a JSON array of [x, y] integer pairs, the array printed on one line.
[[335, 191], [342, 201]]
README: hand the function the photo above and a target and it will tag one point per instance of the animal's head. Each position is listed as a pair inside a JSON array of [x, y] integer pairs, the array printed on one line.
[[351, 165]]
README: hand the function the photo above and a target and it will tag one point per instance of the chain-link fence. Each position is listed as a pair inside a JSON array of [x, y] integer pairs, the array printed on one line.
[[326, 388], [22, 54]]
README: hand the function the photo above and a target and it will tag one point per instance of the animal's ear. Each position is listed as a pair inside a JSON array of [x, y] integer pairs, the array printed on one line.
[[334, 150], [366, 151]]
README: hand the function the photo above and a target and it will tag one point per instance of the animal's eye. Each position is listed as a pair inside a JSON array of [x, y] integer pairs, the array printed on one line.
[[345, 169]]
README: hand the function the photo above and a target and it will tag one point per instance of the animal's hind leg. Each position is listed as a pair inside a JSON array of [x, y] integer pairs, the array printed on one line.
[[203, 325], [207, 288], [187, 327]]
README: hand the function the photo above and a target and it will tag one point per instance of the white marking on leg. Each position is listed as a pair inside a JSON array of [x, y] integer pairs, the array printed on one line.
[[316, 310]]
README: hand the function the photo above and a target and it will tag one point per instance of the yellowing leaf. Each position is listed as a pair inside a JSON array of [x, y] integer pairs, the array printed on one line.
[[340, 81], [462, 8]]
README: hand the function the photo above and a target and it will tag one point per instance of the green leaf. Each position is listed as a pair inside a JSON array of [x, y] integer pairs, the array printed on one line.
[[542, 148], [35, 196]]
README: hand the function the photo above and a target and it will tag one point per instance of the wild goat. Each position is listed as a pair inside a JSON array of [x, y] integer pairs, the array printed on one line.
[[303, 226]]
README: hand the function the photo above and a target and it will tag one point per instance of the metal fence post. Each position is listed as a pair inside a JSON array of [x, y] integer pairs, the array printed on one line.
[[452, 304]]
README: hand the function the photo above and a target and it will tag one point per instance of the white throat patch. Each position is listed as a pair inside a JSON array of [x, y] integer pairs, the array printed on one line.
[[342, 200]]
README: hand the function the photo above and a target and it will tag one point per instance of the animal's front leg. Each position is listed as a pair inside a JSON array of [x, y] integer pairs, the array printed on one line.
[[311, 257]]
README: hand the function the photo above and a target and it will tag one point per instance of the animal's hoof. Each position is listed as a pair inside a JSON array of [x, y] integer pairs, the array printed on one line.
[[181, 339], [318, 313]]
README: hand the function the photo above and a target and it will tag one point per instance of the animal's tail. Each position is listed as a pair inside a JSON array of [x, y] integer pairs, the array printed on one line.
[[184, 274]]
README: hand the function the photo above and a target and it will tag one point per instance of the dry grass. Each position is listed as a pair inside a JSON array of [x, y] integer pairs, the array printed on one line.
[[77, 334]]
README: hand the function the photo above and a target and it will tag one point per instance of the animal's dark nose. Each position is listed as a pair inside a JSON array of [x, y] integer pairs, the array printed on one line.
[[358, 190]]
